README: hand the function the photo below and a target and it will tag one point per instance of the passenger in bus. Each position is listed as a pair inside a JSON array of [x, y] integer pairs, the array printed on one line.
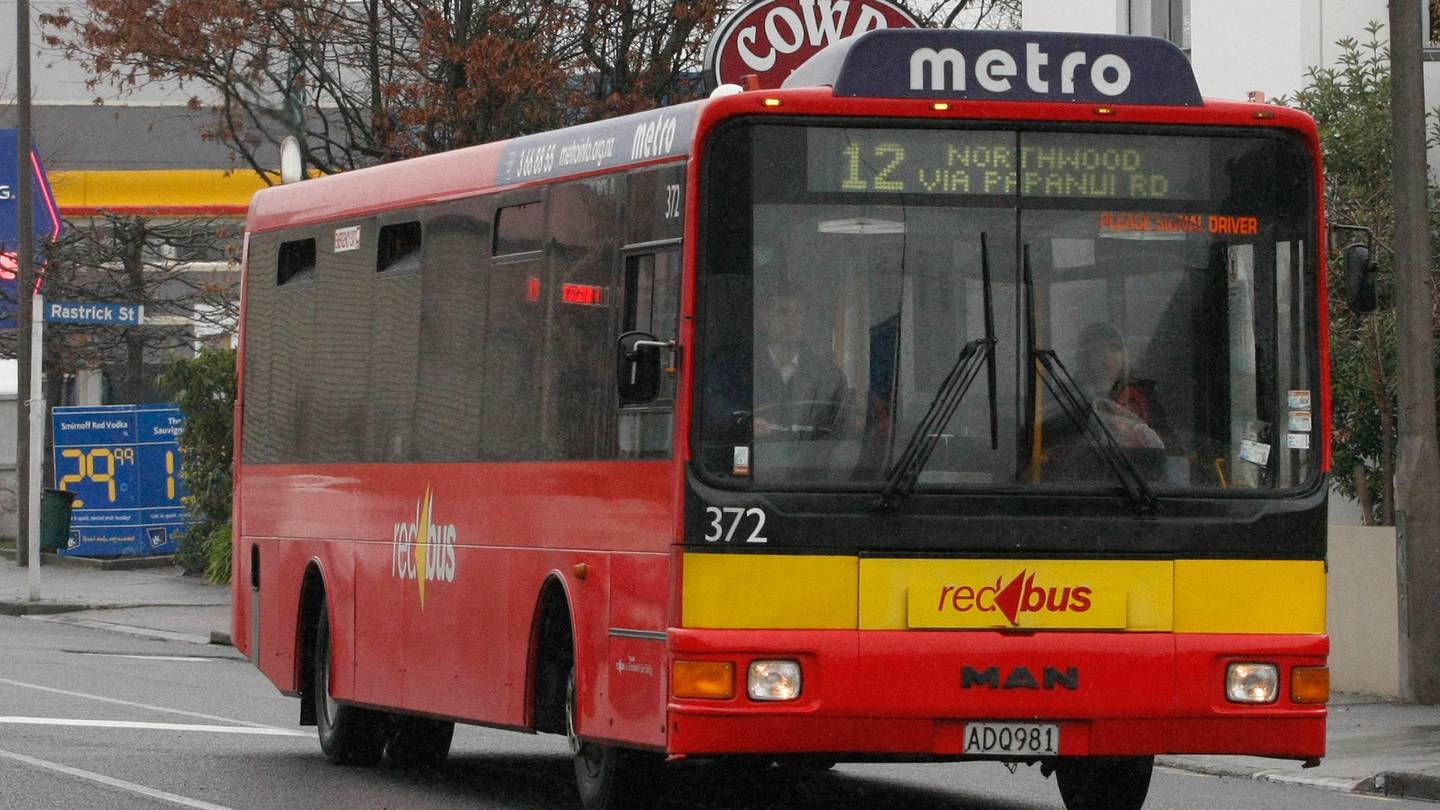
[[1126, 405], [799, 392]]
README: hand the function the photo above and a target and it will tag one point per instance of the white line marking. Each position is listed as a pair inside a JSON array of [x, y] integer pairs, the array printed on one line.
[[111, 781], [118, 702], [133, 724]]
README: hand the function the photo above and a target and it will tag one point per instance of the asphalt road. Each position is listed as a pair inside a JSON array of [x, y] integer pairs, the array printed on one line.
[[94, 719]]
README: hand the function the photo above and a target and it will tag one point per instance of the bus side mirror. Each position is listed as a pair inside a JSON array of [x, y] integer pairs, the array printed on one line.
[[638, 367], [1360, 271]]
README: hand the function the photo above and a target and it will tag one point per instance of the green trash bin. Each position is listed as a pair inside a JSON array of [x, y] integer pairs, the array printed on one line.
[[55, 506]]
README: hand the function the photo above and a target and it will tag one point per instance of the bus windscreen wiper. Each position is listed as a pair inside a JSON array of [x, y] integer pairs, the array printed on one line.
[[901, 480], [1070, 395]]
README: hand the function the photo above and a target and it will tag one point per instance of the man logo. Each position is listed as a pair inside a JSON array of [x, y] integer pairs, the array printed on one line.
[[1020, 678]]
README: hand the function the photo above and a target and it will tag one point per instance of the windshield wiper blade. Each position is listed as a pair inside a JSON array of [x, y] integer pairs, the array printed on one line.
[[990, 336], [1068, 394], [900, 482]]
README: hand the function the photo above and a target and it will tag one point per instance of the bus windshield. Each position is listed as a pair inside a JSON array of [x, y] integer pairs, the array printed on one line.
[[1150, 300]]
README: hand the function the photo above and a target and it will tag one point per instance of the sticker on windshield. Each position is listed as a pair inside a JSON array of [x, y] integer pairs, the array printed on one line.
[[1300, 399], [741, 464], [1297, 441], [1255, 452], [1300, 421]]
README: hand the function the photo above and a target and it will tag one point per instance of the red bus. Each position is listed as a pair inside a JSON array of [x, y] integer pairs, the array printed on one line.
[[966, 398]]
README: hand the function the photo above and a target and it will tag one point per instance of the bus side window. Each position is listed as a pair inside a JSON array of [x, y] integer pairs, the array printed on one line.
[[652, 302]]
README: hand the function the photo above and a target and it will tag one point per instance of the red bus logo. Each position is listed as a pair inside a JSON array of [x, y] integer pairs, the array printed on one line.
[[1020, 595], [768, 39], [424, 551]]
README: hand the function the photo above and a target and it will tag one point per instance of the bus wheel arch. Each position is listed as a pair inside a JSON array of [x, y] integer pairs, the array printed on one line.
[[349, 735], [312, 601], [552, 649]]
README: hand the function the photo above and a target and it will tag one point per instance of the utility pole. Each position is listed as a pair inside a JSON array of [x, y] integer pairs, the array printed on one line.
[[1417, 474], [24, 277]]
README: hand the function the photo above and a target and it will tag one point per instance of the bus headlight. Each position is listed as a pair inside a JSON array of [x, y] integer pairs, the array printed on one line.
[[773, 680], [1252, 683]]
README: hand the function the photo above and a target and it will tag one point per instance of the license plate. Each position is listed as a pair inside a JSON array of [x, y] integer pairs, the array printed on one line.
[[1011, 738]]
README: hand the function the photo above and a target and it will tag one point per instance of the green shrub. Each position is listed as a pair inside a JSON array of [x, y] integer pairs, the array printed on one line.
[[203, 387], [217, 570]]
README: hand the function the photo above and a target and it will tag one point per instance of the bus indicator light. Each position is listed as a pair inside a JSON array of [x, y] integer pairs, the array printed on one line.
[[709, 680], [1310, 685], [532, 289]]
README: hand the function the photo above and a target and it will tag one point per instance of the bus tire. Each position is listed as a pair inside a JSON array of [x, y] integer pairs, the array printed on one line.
[[418, 742], [1112, 784], [609, 777], [349, 735]]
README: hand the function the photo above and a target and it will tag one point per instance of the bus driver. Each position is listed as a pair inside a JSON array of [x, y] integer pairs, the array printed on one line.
[[799, 392]]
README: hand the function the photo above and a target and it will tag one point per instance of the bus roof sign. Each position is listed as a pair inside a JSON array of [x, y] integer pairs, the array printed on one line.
[[767, 39], [1004, 66]]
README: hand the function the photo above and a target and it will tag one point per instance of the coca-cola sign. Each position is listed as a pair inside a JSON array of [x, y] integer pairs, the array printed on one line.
[[767, 39]]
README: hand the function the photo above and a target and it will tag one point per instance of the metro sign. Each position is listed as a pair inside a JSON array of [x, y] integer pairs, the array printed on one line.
[[767, 39]]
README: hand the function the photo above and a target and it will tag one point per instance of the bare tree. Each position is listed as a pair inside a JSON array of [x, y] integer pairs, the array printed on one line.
[[184, 273]]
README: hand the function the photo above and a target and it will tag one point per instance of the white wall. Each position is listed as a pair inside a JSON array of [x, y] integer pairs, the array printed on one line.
[[1363, 619], [1087, 16], [1237, 45]]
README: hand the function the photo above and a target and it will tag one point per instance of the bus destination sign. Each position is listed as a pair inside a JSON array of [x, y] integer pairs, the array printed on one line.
[[891, 161]]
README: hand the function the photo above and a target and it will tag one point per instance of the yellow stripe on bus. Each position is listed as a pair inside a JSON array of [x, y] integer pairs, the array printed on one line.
[[771, 591], [1250, 596]]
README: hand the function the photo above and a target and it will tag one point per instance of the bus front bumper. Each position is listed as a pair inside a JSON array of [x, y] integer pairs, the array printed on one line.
[[915, 693]]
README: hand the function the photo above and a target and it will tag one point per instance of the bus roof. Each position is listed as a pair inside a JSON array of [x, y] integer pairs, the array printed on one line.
[[651, 136], [1032, 76]]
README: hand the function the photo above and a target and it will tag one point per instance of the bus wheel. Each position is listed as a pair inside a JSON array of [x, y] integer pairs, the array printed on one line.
[[609, 778], [1112, 784], [418, 742], [348, 735]]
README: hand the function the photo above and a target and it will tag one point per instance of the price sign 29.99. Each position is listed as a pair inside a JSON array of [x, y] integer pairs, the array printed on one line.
[[123, 464]]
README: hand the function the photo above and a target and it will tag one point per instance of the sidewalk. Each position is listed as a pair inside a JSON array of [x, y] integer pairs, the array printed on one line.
[[153, 602], [1375, 746]]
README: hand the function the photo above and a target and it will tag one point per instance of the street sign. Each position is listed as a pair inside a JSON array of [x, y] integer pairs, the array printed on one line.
[[106, 314], [123, 464], [46, 217]]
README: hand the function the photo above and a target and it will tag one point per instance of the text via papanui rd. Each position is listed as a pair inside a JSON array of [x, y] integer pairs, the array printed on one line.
[[880, 161], [104, 314]]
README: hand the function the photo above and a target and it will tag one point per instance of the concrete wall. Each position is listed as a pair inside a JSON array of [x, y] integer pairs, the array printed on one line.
[[1363, 612]]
